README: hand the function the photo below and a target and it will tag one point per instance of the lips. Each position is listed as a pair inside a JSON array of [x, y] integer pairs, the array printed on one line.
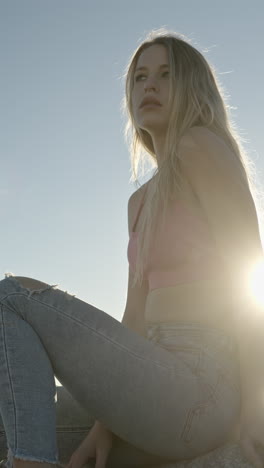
[[149, 100]]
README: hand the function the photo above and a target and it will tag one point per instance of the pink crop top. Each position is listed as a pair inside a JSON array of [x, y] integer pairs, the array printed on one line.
[[184, 251]]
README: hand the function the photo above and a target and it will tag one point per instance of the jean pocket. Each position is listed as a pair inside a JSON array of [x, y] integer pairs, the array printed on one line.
[[190, 357], [199, 347], [188, 351]]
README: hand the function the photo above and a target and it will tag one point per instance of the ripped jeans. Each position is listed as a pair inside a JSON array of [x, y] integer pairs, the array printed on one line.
[[171, 396]]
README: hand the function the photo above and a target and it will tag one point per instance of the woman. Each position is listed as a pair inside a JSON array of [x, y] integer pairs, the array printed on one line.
[[176, 377]]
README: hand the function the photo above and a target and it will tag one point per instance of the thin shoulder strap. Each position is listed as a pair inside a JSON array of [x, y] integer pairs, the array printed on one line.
[[140, 208]]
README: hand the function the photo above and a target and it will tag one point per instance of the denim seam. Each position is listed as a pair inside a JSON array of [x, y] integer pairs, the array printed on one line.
[[10, 380], [185, 435], [84, 325]]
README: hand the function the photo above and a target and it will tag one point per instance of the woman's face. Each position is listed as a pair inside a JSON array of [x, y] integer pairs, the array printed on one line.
[[151, 82]]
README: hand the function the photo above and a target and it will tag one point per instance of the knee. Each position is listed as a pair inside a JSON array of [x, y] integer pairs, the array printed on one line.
[[30, 283]]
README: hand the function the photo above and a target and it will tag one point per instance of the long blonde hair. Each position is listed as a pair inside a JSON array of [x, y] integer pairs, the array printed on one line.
[[197, 100]]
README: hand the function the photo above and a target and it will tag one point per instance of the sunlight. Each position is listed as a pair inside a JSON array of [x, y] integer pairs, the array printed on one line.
[[256, 283]]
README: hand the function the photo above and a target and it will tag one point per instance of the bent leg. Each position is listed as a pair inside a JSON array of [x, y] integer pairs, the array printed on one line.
[[130, 384]]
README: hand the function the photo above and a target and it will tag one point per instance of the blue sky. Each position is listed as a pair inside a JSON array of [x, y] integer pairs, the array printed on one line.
[[65, 165]]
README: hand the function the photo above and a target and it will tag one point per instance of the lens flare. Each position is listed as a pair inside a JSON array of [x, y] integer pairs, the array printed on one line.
[[256, 283]]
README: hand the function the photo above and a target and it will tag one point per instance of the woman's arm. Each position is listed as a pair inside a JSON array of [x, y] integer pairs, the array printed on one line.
[[134, 314], [135, 306], [216, 178]]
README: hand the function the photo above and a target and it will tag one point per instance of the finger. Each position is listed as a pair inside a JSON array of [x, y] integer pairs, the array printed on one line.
[[251, 453], [101, 458], [73, 463]]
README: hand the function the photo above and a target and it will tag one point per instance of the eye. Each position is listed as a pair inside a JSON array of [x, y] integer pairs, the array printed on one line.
[[139, 76]]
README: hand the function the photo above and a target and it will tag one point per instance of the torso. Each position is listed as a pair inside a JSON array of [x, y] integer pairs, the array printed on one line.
[[206, 302]]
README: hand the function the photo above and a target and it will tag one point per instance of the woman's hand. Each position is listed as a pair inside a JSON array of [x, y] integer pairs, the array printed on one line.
[[252, 434], [96, 445]]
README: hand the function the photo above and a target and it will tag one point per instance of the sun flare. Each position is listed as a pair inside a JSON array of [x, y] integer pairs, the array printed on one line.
[[256, 283]]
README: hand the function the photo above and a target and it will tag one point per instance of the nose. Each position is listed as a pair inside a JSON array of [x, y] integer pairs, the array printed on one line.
[[150, 83]]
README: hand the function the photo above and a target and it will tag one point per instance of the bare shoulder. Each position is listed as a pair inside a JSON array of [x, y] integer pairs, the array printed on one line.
[[206, 160], [137, 195], [202, 138], [201, 149]]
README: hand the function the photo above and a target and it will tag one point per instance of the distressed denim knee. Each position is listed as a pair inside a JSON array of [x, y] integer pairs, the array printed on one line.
[[31, 285]]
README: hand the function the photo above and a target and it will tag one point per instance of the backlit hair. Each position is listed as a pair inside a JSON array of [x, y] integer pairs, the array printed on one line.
[[198, 99]]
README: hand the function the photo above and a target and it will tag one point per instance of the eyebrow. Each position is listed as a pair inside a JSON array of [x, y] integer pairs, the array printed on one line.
[[145, 68]]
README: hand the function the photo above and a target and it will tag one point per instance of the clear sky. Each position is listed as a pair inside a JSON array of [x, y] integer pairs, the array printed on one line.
[[65, 166]]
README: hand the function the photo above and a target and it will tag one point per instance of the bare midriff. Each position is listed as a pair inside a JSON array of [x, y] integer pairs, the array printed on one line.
[[207, 302]]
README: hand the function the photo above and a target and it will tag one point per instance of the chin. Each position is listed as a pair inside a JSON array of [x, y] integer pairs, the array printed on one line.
[[150, 123]]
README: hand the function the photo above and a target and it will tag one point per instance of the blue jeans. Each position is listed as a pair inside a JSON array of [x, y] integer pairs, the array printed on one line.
[[170, 396]]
